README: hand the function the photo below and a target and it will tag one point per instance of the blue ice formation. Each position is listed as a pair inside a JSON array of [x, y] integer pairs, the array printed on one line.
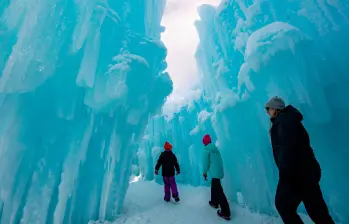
[[249, 51], [78, 81]]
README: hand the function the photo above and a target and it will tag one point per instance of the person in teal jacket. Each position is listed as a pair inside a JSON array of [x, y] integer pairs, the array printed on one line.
[[213, 163]]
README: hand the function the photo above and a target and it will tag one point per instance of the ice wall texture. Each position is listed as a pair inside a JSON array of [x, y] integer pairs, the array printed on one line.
[[252, 50], [248, 52], [78, 81]]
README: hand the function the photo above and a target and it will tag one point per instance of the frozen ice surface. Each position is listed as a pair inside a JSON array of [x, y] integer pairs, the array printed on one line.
[[78, 81]]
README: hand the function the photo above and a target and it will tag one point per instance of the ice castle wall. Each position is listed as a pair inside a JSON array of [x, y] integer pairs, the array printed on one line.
[[297, 50], [78, 81], [249, 51]]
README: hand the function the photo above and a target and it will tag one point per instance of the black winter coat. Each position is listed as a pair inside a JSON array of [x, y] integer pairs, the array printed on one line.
[[293, 154], [169, 163]]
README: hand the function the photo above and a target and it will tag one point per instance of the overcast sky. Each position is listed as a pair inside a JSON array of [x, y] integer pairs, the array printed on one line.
[[181, 40]]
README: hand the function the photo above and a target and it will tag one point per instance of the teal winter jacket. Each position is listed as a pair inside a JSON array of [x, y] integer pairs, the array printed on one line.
[[212, 162]]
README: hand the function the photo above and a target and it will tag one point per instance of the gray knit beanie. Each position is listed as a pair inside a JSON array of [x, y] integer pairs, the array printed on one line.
[[276, 103]]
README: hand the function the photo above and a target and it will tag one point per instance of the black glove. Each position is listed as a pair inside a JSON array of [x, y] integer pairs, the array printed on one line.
[[205, 176], [178, 172]]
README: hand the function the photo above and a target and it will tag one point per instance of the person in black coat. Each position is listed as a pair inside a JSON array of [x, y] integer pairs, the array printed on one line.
[[299, 171], [169, 163]]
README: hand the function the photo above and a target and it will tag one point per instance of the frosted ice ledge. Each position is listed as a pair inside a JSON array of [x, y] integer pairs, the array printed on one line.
[[78, 82]]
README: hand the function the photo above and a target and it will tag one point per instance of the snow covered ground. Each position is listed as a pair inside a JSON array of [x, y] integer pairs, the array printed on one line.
[[144, 205]]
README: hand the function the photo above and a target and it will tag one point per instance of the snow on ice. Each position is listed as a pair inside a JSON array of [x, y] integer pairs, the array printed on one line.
[[82, 84]]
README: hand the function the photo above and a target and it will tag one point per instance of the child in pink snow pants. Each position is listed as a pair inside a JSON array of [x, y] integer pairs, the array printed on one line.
[[169, 164]]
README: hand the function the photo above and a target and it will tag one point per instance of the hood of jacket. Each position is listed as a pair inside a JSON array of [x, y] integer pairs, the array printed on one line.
[[288, 114]]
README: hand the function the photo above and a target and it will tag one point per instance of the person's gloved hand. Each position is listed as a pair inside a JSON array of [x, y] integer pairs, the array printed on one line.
[[205, 176], [156, 172], [178, 172]]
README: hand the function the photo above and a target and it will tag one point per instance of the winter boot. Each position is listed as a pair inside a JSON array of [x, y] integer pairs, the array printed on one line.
[[177, 199], [212, 205], [167, 199], [222, 216]]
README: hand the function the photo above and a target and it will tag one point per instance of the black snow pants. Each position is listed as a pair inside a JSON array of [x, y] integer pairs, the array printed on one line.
[[218, 197], [290, 194]]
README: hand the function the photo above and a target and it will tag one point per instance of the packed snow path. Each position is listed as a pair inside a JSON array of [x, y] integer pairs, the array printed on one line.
[[144, 204]]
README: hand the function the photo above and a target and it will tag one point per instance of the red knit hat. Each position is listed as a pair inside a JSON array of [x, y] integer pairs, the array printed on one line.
[[206, 140], [167, 146]]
